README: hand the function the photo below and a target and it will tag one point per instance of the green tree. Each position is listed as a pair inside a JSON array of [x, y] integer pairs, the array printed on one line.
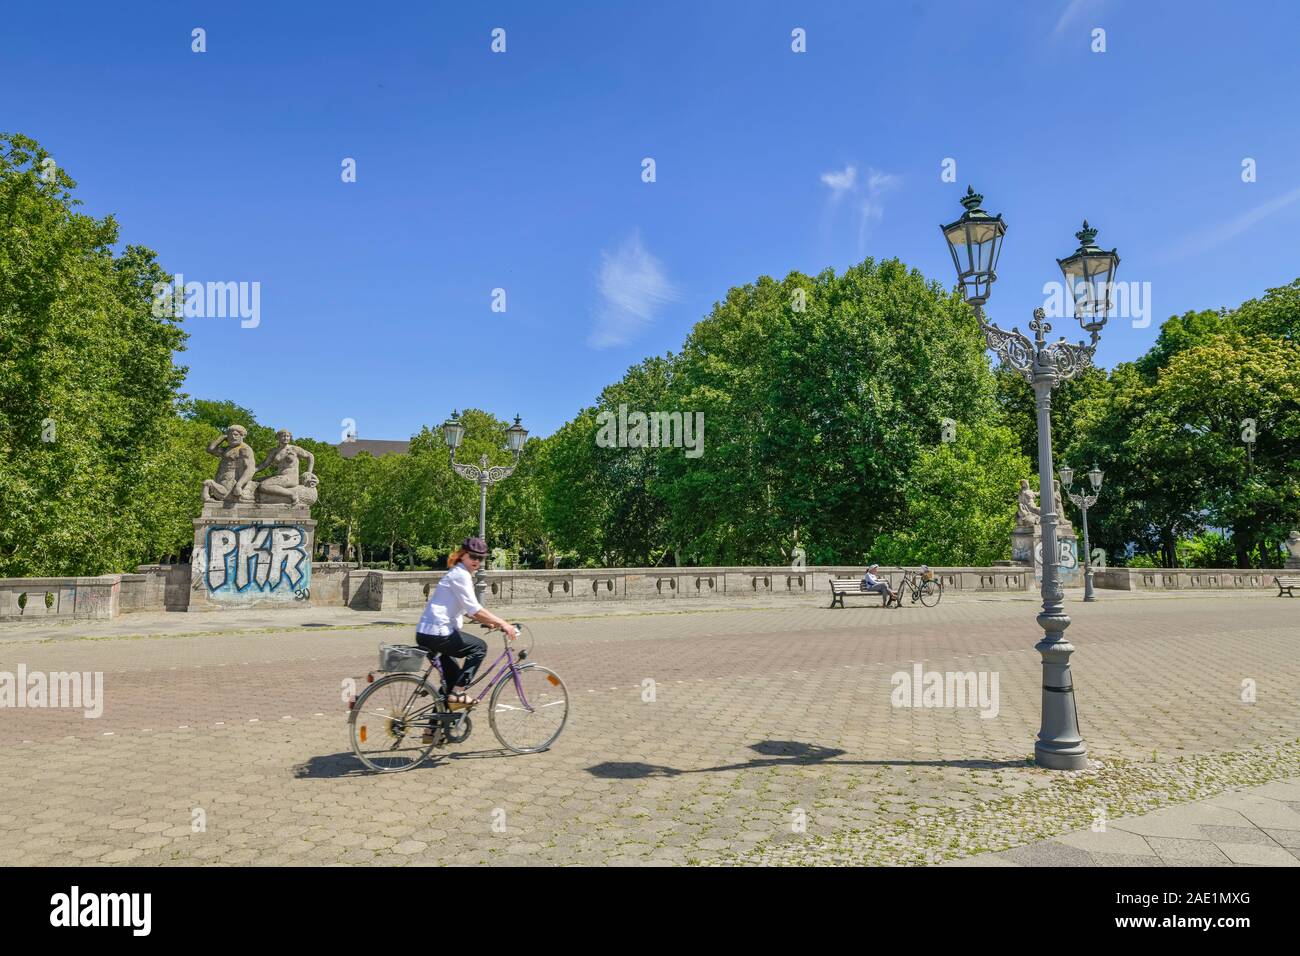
[[575, 499], [960, 501], [1275, 314], [87, 382], [1201, 404], [170, 496], [517, 510], [1210, 549], [1148, 501], [219, 415], [818, 395], [334, 511], [485, 434], [636, 531], [1178, 333], [1016, 405]]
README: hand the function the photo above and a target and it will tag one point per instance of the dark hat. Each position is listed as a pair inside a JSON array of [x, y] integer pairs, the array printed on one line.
[[475, 546]]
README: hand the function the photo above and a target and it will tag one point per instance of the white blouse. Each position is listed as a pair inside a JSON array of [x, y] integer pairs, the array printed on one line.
[[450, 601]]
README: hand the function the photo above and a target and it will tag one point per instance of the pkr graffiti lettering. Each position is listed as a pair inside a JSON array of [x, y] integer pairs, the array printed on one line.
[[260, 556]]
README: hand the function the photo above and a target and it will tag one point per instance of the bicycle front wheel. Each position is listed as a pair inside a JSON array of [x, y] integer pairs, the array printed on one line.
[[389, 719], [529, 709], [931, 591]]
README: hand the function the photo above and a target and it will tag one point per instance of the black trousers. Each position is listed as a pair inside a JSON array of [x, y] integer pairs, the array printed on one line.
[[451, 646]]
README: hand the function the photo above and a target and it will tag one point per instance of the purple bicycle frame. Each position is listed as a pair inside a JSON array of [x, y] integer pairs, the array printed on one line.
[[495, 678]]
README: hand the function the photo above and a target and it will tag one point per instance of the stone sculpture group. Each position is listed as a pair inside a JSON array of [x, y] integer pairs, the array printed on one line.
[[1026, 537], [234, 481], [1029, 514]]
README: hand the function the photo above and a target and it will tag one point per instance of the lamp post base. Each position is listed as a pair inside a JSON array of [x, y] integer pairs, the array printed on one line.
[[1059, 746], [1056, 760]]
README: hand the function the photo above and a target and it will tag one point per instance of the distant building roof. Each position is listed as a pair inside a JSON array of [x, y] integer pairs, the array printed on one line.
[[376, 447]]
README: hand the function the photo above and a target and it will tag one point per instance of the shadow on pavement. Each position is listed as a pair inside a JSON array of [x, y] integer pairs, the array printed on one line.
[[793, 753], [346, 764]]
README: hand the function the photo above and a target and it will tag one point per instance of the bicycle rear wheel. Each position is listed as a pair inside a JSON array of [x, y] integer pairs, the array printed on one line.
[[389, 719], [931, 592], [529, 723]]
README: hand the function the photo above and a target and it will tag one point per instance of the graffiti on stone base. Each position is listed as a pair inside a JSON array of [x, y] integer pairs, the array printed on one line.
[[256, 558], [1067, 550]]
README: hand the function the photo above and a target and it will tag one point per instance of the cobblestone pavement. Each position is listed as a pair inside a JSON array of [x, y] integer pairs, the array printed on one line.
[[770, 738]]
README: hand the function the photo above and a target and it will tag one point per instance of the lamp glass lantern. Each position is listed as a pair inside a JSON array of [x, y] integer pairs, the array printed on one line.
[[975, 241], [1090, 277], [1067, 477], [1094, 476], [453, 432], [516, 435]]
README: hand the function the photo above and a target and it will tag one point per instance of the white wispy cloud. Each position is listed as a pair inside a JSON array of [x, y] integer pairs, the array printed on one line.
[[868, 193], [633, 287], [1221, 232], [841, 182], [878, 184]]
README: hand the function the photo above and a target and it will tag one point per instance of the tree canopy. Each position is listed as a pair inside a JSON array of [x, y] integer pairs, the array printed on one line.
[[88, 385]]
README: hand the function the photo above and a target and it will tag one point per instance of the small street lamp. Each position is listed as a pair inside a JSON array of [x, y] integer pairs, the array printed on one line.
[[1083, 501], [975, 240], [453, 433]]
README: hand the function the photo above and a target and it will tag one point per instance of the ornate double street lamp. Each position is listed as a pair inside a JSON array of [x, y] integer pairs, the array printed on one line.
[[1083, 501], [453, 432], [975, 241]]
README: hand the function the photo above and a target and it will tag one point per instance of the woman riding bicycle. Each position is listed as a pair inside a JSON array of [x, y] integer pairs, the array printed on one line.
[[439, 628]]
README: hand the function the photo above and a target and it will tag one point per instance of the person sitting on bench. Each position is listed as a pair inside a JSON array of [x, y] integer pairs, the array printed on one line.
[[873, 583]]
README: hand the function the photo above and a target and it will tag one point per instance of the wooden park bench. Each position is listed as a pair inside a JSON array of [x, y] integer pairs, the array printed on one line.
[[1286, 584], [850, 587]]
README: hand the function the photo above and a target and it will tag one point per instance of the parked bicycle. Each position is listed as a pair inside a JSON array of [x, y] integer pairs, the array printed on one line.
[[398, 720], [921, 586]]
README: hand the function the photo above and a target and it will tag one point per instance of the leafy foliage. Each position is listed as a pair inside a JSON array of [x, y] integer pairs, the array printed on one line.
[[961, 503], [87, 381]]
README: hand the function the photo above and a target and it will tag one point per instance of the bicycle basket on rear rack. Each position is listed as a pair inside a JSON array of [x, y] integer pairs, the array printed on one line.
[[401, 657]]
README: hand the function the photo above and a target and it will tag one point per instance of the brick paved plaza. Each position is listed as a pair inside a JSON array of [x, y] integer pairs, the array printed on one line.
[[762, 717]]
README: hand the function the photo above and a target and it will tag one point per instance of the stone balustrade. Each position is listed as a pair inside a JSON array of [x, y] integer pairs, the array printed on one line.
[[340, 584], [43, 599], [156, 587], [1174, 579], [389, 590]]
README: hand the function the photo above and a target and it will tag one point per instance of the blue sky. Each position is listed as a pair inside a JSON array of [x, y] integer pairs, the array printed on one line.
[[523, 170]]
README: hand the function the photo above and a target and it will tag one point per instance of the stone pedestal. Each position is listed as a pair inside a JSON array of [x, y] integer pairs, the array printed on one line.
[[252, 555], [1293, 551], [1027, 548]]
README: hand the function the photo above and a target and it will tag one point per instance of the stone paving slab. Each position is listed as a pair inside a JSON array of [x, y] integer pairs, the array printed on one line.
[[1205, 840], [231, 748]]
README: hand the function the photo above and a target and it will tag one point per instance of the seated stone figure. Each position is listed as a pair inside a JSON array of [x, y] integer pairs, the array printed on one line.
[[285, 486], [234, 481], [1062, 520], [1027, 511]]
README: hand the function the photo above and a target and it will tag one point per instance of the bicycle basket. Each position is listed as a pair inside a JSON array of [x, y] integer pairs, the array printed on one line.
[[401, 657], [927, 574]]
